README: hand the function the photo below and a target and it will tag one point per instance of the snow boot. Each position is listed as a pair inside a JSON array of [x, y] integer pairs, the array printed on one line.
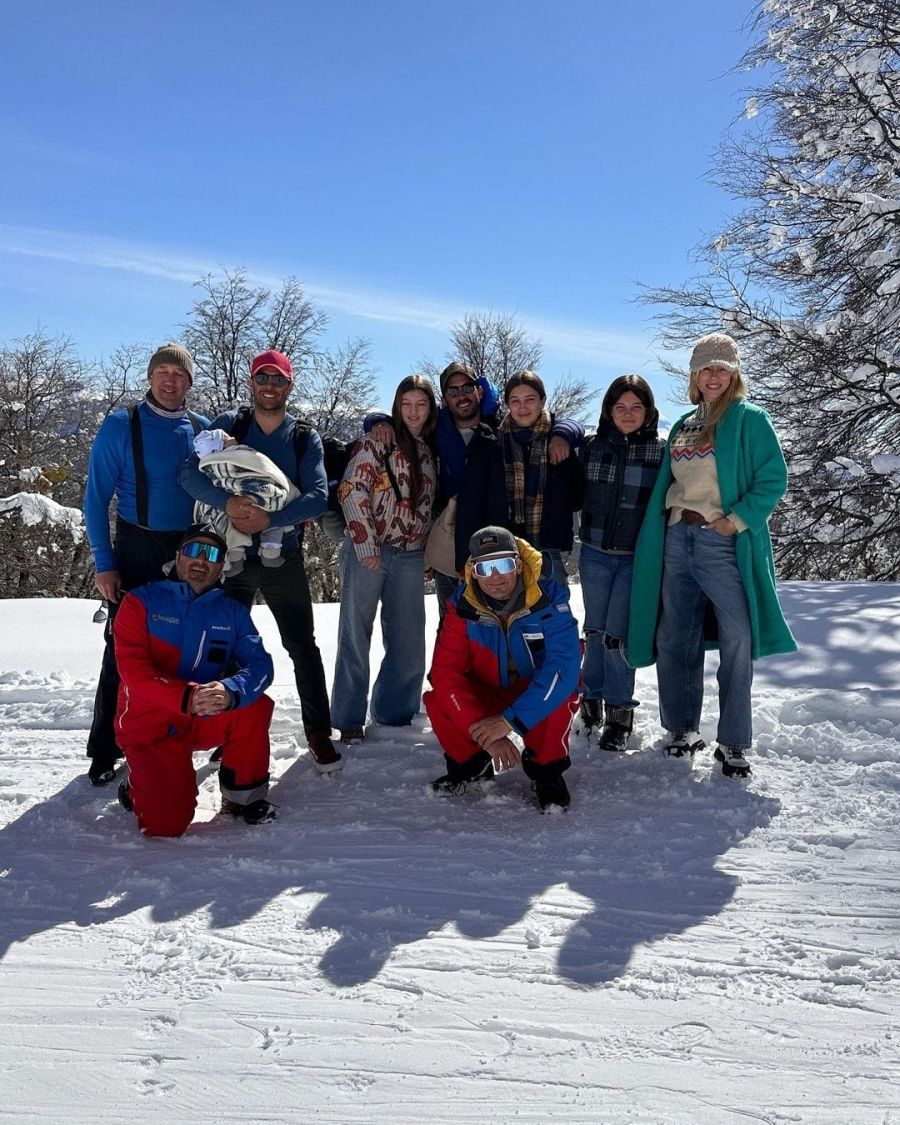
[[102, 771], [256, 812], [124, 796], [683, 743], [734, 764], [325, 757], [618, 723], [589, 713], [460, 775], [547, 782]]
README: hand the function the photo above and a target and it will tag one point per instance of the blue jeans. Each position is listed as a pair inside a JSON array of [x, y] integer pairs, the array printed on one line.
[[700, 566], [606, 589], [399, 584]]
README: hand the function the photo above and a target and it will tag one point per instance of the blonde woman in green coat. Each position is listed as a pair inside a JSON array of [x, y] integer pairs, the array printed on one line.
[[703, 570]]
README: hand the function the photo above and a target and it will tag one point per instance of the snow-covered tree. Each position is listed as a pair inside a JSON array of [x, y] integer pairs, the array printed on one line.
[[496, 346], [807, 274], [47, 418], [234, 321]]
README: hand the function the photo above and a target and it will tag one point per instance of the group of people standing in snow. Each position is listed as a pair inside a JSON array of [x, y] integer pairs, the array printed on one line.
[[675, 556]]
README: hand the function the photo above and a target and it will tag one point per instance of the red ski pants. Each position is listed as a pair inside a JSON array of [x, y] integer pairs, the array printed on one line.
[[161, 777], [451, 719]]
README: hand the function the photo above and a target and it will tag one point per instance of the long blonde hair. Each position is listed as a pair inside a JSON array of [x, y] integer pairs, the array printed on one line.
[[715, 411]]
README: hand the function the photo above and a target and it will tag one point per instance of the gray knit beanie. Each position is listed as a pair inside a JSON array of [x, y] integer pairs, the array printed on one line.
[[172, 353], [717, 349]]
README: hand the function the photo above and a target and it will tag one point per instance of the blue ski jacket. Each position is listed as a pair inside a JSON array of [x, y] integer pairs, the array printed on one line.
[[168, 640], [167, 441], [539, 643]]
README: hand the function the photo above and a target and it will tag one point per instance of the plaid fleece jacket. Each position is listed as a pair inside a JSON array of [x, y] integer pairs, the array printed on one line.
[[620, 471]]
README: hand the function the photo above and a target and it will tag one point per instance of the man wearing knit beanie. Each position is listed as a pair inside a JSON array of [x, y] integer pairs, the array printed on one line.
[[172, 355], [135, 459]]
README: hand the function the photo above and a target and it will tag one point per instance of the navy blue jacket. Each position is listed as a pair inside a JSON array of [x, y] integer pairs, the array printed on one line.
[[309, 476]]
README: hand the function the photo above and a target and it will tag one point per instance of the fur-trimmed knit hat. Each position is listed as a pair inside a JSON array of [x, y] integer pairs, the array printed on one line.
[[717, 349], [172, 353]]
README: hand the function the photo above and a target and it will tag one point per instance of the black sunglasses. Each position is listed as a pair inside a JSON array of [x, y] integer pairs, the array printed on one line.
[[263, 377], [463, 389]]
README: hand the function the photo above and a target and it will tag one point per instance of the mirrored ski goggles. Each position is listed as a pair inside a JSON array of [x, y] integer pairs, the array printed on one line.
[[484, 568], [208, 551], [263, 377]]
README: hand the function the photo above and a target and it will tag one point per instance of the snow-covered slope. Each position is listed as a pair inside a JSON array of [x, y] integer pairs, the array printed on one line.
[[678, 948]]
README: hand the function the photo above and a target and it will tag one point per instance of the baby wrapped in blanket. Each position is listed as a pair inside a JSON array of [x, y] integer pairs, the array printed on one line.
[[243, 471]]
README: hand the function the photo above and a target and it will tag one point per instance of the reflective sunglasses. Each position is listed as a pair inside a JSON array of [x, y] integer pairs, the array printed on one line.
[[484, 568], [263, 377], [463, 389], [208, 551]]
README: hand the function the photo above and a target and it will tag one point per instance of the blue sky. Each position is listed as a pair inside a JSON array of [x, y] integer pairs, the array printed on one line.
[[408, 161]]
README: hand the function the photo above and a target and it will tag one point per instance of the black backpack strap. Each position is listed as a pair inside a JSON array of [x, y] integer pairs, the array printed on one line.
[[140, 469], [195, 421], [241, 426], [300, 437]]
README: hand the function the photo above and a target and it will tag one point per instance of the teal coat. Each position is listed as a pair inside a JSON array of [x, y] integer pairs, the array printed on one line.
[[752, 479]]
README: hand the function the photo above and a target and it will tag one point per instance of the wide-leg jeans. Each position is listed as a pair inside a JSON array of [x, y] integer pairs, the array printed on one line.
[[701, 565], [399, 585]]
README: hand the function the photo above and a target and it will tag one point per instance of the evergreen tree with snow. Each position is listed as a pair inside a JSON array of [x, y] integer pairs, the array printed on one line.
[[807, 274]]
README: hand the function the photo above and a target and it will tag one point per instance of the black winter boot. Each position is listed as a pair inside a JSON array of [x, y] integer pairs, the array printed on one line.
[[547, 780], [589, 713], [256, 812], [102, 771], [460, 775], [618, 723]]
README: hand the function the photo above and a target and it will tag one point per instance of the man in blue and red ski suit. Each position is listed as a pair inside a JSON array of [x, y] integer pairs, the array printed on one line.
[[193, 671], [505, 670]]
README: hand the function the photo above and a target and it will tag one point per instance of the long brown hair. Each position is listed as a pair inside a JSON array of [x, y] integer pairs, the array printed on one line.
[[406, 443], [715, 411]]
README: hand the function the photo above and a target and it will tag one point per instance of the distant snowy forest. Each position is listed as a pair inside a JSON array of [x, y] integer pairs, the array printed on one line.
[[806, 275]]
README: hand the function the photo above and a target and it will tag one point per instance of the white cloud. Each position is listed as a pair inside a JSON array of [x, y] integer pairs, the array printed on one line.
[[606, 347]]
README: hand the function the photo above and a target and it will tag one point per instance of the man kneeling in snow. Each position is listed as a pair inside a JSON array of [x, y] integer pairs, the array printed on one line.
[[505, 670], [193, 671]]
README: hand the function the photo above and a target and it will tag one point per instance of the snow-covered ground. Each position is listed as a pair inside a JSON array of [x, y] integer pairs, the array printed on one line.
[[678, 948]]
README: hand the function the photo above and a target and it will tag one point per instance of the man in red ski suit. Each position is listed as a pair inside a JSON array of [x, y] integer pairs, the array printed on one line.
[[193, 671], [505, 670]]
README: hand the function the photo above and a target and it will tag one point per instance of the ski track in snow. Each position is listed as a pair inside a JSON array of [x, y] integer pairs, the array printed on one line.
[[678, 948]]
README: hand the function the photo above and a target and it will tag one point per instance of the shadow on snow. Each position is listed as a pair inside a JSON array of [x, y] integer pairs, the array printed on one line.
[[394, 864]]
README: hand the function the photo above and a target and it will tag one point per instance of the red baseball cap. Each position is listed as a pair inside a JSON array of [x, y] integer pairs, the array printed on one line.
[[278, 360]]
